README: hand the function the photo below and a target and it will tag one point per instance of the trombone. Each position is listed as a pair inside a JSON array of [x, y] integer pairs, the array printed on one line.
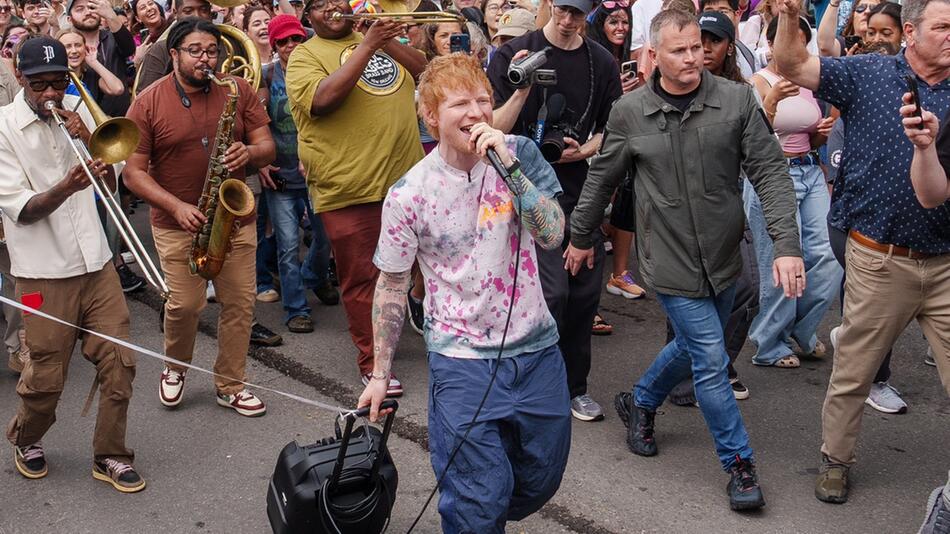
[[113, 140], [402, 11]]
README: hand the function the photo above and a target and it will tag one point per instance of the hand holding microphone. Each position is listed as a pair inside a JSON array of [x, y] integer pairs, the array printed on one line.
[[490, 143]]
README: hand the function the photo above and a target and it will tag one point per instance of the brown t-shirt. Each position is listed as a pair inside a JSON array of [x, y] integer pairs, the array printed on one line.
[[179, 139]]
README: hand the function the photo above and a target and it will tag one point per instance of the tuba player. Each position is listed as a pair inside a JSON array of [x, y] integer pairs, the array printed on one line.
[[178, 117]]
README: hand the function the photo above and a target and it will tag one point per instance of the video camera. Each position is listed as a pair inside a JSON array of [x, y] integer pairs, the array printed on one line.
[[528, 70]]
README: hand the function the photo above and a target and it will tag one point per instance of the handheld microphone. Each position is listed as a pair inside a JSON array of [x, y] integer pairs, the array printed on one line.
[[497, 164]]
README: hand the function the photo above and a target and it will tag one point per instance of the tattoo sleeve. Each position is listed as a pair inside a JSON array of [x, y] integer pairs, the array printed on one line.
[[541, 215], [389, 313]]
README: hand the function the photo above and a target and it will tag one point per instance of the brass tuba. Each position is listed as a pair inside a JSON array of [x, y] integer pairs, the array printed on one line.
[[240, 57], [223, 200]]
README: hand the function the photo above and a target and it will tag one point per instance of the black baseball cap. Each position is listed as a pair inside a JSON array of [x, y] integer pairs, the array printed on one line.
[[717, 24], [584, 6], [40, 55]]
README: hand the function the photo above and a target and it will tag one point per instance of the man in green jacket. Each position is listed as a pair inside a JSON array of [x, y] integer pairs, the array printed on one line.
[[686, 133]]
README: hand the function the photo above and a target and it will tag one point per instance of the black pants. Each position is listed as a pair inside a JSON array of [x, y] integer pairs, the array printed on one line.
[[839, 242], [573, 301], [744, 308]]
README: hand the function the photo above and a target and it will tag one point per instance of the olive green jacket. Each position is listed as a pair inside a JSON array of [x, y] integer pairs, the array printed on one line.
[[686, 166]]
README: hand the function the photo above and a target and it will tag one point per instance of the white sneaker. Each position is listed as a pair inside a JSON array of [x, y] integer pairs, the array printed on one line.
[[243, 402], [172, 387], [269, 295], [885, 398]]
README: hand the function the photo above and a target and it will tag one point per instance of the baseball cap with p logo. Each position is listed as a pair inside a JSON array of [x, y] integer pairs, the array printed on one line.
[[40, 55]]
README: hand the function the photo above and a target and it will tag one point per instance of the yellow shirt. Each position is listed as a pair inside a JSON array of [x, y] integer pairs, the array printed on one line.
[[353, 154]]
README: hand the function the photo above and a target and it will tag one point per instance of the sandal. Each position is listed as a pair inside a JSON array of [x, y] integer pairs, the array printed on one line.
[[601, 327], [789, 362]]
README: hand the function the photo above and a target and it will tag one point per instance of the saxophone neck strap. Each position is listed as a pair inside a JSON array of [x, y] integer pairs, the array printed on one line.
[[185, 101]]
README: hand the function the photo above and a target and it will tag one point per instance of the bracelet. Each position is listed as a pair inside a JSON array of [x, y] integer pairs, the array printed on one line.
[[834, 5], [374, 377]]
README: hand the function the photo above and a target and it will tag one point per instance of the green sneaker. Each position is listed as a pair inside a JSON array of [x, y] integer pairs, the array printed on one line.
[[831, 486]]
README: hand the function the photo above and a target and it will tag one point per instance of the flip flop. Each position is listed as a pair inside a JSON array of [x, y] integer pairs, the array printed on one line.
[[601, 327]]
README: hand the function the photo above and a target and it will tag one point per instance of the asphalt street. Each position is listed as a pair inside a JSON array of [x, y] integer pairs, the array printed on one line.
[[207, 468]]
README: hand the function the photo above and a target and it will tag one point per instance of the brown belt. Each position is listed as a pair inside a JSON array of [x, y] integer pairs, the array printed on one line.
[[888, 249]]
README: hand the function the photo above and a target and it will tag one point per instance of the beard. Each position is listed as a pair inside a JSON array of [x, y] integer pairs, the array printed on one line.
[[192, 80], [87, 24]]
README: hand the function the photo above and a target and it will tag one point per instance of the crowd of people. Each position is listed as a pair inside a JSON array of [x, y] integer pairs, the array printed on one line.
[[762, 158]]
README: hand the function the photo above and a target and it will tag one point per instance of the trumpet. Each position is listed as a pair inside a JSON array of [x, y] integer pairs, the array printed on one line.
[[414, 17], [113, 140]]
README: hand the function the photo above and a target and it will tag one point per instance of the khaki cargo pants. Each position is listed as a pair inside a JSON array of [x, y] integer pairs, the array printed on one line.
[[94, 301]]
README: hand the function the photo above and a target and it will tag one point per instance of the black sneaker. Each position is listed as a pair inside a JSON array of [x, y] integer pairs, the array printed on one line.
[[683, 393], [623, 403], [129, 280], [261, 335], [640, 438], [743, 488], [417, 316], [120, 475], [327, 294], [30, 460]]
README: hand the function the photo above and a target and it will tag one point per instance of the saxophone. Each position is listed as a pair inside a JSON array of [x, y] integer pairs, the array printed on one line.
[[223, 200]]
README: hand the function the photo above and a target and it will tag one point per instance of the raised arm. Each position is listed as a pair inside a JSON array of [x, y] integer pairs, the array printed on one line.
[[828, 44], [791, 56], [389, 314]]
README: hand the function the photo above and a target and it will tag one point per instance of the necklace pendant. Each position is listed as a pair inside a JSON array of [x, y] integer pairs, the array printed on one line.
[[204, 141]]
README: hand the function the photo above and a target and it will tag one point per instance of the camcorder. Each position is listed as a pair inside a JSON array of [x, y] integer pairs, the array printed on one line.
[[528, 70]]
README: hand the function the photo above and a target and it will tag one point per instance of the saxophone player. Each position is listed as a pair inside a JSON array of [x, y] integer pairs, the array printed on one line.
[[178, 117]]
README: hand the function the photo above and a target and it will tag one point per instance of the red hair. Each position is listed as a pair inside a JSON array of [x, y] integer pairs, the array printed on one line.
[[448, 73]]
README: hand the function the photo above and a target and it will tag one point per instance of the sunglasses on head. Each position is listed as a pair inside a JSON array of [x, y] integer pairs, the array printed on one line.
[[295, 38], [613, 4], [861, 8], [40, 85]]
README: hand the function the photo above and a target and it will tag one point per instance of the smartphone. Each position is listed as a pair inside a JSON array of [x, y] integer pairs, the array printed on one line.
[[628, 67], [850, 41], [460, 42], [915, 96]]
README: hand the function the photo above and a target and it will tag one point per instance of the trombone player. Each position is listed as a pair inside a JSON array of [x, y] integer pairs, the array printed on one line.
[[63, 266], [178, 120]]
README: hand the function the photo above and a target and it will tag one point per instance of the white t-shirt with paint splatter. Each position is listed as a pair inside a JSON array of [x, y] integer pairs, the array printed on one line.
[[463, 229]]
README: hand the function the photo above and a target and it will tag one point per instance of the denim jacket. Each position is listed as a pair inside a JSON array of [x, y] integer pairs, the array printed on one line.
[[689, 204]]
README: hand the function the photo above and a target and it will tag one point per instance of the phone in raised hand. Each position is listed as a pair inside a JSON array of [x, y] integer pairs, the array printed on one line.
[[915, 98]]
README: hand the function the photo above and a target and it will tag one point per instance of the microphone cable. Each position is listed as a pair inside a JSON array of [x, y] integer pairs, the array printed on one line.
[[503, 172]]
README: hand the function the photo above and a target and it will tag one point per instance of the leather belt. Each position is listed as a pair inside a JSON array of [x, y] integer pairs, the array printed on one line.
[[811, 158], [888, 249]]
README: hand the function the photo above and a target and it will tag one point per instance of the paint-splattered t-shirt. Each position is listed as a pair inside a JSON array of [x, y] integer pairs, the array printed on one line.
[[463, 229]]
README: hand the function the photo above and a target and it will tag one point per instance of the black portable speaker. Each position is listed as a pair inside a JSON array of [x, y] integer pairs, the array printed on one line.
[[339, 485]]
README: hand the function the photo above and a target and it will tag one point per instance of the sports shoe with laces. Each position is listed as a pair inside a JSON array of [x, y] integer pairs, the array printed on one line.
[[30, 460], [130, 281], [121, 475], [885, 398], [937, 519], [832, 484], [261, 335], [743, 488], [625, 286], [739, 391], [171, 388], [243, 402], [301, 324], [584, 408], [395, 386], [417, 316], [640, 438], [623, 403]]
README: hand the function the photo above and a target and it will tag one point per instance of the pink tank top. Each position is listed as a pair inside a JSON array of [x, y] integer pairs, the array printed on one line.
[[796, 117]]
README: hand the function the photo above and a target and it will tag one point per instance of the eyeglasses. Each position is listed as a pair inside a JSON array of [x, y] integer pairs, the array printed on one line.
[[197, 51], [613, 4], [40, 85], [6, 9], [295, 38], [320, 4]]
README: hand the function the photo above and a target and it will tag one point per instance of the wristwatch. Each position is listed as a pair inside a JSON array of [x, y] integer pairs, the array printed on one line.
[[514, 167]]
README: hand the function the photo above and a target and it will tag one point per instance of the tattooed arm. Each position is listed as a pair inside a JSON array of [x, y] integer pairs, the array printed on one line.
[[541, 215], [389, 313]]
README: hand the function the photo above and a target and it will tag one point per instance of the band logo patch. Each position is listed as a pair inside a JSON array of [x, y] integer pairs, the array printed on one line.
[[382, 75]]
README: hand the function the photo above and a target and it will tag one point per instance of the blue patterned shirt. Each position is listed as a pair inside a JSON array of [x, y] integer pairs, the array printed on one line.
[[873, 193]]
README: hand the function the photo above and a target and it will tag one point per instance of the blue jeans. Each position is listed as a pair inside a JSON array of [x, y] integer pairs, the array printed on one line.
[[286, 208], [699, 348], [781, 319], [266, 249], [514, 457]]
